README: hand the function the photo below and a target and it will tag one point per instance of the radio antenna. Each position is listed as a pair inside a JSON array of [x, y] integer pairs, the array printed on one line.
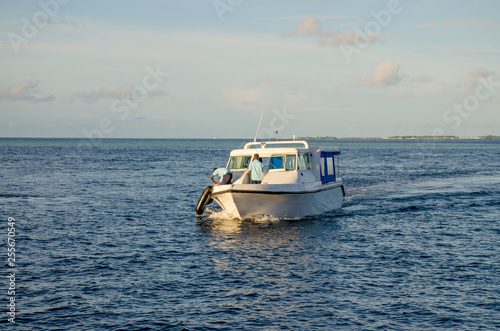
[[258, 127]]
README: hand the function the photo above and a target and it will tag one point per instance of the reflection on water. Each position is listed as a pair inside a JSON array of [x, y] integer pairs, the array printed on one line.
[[111, 242], [221, 222], [265, 260], [255, 261]]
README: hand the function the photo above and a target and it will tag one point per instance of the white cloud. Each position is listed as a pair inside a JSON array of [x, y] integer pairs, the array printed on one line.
[[26, 91], [350, 37], [473, 78], [386, 74], [311, 26], [117, 93], [480, 72], [92, 96]]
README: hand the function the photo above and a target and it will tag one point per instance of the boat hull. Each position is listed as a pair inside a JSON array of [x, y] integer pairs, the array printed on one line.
[[280, 201]]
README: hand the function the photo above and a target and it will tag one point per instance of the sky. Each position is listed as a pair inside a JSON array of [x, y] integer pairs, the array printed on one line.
[[213, 68]]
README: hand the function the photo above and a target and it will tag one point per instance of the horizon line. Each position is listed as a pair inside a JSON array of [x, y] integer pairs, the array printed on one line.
[[404, 137]]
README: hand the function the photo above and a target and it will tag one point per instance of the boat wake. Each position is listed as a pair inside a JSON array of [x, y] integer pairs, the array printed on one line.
[[221, 215], [217, 214]]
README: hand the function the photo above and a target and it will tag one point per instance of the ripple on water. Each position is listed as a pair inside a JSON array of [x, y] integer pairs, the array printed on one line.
[[108, 239]]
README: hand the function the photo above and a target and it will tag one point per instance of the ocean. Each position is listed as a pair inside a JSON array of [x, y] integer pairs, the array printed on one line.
[[106, 238]]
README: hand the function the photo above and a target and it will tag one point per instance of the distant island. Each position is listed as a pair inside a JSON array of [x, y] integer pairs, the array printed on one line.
[[423, 137], [316, 138], [443, 137], [329, 137], [396, 137]]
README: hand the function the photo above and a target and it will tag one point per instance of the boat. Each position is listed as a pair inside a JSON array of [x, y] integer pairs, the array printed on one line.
[[298, 181]]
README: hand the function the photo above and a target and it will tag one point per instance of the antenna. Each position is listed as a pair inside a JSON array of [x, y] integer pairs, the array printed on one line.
[[258, 127]]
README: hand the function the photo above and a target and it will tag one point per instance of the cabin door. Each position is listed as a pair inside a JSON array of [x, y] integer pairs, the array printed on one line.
[[327, 167]]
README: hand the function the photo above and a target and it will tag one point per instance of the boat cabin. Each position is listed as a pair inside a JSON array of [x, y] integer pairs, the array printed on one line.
[[286, 162]]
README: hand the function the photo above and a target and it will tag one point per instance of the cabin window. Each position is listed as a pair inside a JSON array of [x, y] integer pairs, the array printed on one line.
[[329, 166], [239, 163], [287, 162], [304, 161], [276, 162], [290, 162]]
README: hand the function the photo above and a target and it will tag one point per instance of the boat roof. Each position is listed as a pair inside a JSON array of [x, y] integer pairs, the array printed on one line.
[[280, 147], [277, 144]]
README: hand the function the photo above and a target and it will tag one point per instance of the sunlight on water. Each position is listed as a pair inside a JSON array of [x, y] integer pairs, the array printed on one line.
[[222, 222], [218, 214], [221, 215], [264, 219], [108, 240]]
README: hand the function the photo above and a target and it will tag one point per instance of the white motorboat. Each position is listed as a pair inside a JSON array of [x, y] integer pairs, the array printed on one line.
[[298, 181]]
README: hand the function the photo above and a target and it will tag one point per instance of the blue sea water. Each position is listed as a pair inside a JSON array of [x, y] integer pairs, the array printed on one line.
[[107, 239]]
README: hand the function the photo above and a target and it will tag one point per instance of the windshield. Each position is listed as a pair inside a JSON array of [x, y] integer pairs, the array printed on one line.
[[286, 162], [304, 161], [278, 162], [239, 163]]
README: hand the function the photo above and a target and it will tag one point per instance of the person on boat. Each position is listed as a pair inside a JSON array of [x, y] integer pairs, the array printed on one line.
[[256, 170], [225, 175]]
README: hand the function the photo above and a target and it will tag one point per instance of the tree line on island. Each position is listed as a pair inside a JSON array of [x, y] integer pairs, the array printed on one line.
[[443, 137], [399, 137]]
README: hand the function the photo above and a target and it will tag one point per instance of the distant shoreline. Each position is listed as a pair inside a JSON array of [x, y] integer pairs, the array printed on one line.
[[402, 137], [489, 137]]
